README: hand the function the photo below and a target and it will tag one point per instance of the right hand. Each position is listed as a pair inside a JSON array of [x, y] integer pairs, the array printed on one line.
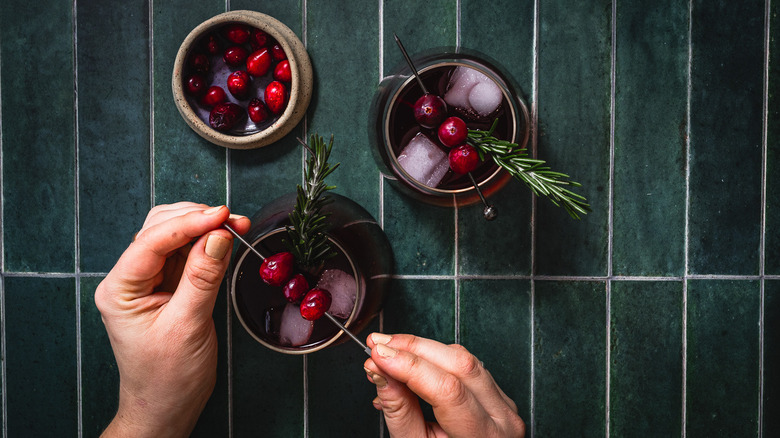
[[466, 400]]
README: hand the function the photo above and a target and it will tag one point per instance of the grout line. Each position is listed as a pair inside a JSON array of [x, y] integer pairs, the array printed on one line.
[[686, 241], [456, 269], [381, 72], [76, 219], [610, 217], [534, 150], [152, 194], [305, 38]]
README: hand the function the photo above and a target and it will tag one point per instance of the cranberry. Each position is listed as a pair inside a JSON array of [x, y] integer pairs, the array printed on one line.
[[296, 288], [200, 63], [315, 304], [282, 71], [258, 113], [237, 33], [464, 159], [278, 52], [196, 85], [212, 45], [235, 55], [214, 96], [277, 269], [430, 110], [453, 132], [238, 84], [225, 116], [258, 39], [276, 97], [258, 62]]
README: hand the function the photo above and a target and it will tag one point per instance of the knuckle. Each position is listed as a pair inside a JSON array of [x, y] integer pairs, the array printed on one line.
[[452, 391], [204, 275], [466, 364]]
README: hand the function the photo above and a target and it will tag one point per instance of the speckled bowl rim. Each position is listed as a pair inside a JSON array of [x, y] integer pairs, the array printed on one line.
[[300, 88]]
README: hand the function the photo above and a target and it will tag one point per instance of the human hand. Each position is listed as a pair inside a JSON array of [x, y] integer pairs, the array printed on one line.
[[157, 304], [466, 400]]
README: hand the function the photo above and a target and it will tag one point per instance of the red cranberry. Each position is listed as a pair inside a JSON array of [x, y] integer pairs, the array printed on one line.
[[464, 159], [277, 269], [278, 52], [212, 45], [235, 55], [453, 132], [238, 84], [276, 97], [237, 33], [430, 110], [258, 39], [214, 96], [258, 62], [200, 63], [296, 288], [315, 304], [196, 85], [282, 71], [226, 116], [258, 113]]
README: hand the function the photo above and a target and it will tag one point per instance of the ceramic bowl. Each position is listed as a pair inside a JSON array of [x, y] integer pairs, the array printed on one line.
[[250, 135]]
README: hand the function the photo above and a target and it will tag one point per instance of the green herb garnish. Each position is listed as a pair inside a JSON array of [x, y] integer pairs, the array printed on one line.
[[539, 178]]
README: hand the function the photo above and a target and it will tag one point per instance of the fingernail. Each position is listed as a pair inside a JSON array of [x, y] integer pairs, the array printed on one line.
[[212, 210], [235, 216], [385, 351], [377, 403], [217, 247], [380, 338], [378, 380]]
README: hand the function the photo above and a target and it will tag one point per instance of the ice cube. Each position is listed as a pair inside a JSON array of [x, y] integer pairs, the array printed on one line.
[[485, 97], [294, 330], [424, 161], [343, 291], [462, 81]]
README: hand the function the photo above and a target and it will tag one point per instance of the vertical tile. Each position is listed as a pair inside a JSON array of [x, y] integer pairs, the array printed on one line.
[[423, 308], [574, 130], [344, 48], [646, 359], [772, 244], [650, 137], [186, 167], [99, 373], [569, 355], [37, 136], [113, 117], [726, 121], [40, 324], [723, 320], [495, 326], [771, 426]]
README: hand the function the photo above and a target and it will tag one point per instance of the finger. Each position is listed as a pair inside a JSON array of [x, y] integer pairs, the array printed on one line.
[[455, 360], [399, 405], [163, 212], [452, 401]]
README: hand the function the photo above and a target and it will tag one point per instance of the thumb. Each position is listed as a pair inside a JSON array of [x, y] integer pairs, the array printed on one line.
[[399, 405], [203, 273]]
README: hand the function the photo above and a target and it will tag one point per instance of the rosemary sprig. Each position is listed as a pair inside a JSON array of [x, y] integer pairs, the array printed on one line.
[[308, 242], [539, 178]]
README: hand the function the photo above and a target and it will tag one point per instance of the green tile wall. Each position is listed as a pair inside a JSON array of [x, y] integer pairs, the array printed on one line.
[[655, 315]]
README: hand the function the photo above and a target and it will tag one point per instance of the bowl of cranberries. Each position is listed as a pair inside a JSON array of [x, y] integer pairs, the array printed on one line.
[[242, 80]]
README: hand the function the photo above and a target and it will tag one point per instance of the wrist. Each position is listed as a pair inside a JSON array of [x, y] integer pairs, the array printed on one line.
[[138, 418]]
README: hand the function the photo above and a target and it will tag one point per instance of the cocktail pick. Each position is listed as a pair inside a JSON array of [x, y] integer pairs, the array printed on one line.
[[330, 317], [489, 213]]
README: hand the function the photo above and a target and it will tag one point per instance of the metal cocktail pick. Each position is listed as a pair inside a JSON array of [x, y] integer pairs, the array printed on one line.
[[489, 213], [330, 317]]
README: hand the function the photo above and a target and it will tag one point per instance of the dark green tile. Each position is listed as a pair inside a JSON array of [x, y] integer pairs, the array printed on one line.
[[650, 137], [421, 234], [186, 167], [113, 117], [423, 308], [771, 426], [267, 388], [37, 136], [569, 358], [344, 49], [726, 121], [40, 356], [573, 105], [495, 326], [723, 321], [772, 244], [99, 373], [339, 393], [646, 359]]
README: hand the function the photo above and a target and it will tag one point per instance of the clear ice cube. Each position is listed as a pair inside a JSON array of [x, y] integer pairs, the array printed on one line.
[[343, 291], [485, 97], [424, 161], [294, 330], [472, 90]]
